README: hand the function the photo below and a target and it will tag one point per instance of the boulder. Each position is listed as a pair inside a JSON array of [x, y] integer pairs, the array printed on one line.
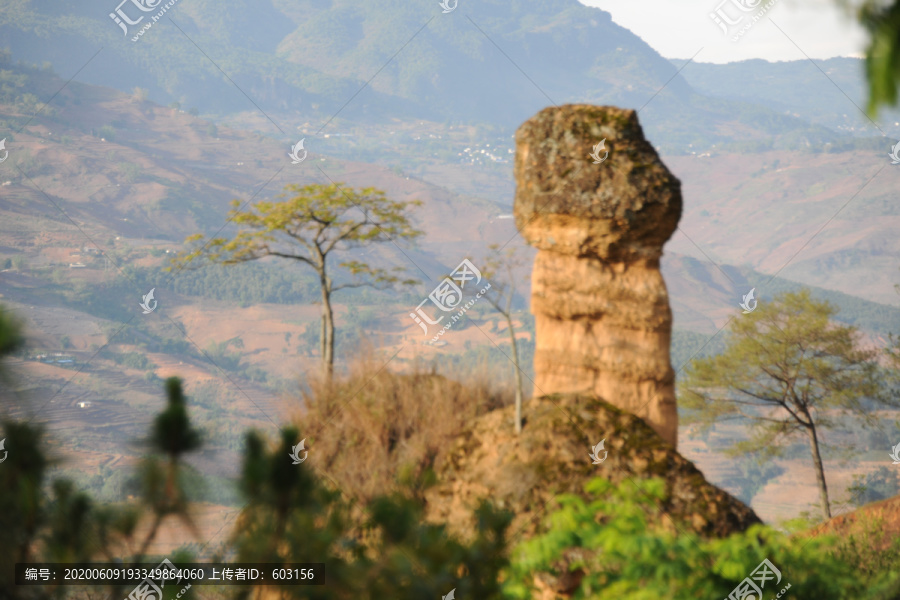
[[524, 473]]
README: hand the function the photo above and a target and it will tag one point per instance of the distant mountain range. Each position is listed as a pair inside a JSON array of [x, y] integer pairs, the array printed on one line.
[[831, 93], [493, 62], [162, 174]]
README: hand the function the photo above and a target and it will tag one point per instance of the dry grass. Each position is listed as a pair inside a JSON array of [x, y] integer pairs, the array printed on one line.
[[869, 537], [374, 431]]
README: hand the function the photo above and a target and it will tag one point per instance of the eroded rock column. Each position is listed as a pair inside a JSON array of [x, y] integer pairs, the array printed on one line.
[[602, 316]]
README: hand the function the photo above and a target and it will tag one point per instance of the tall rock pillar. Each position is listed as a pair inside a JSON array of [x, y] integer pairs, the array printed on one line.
[[602, 316]]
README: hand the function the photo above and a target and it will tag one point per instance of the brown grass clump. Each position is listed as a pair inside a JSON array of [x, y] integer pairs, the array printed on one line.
[[869, 537], [374, 431]]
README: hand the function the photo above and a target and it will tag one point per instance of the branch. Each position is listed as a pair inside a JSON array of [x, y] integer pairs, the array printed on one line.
[[380, 279], [495, 302], [294, 257], [758, 397], [759, 418], [782, 403], [299, 237], [345, 286], [782, 379], [344, 235]]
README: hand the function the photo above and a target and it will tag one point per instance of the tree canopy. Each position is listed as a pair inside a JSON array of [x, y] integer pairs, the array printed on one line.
[[789, 371], [314, 222], [882, 21]]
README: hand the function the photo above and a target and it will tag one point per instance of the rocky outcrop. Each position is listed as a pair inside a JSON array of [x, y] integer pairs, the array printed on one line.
[[524, 473], [602, 345], [602, 317]]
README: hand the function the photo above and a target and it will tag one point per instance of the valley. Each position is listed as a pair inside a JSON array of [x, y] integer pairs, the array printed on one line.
[[106, 179]]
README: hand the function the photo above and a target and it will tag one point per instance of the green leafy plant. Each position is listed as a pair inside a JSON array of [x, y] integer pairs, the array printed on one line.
[[388, 552], [614, 545]]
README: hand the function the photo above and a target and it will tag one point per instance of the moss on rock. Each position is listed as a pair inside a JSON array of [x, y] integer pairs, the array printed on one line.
[[525, 473]]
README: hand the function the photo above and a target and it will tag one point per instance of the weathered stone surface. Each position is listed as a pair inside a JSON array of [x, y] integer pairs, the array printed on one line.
[[524, 473], [602, 316]]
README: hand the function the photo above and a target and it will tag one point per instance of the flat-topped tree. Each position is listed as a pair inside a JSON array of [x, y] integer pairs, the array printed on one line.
[[313, 223], [789, 371]]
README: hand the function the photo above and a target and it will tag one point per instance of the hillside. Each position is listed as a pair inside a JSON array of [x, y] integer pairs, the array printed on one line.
[[123, 142], [819, 219], [873, 528], [103, 171], [490, 63], [798, 88]]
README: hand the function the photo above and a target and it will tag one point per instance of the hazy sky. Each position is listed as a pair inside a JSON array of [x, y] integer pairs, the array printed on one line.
[[679, 28]]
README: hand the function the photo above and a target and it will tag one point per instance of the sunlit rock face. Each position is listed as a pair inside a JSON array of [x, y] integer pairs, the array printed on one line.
[[602, 316], [526, 473]]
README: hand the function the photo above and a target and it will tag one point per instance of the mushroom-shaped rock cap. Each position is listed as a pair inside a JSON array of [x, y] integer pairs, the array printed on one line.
[[623, 209]]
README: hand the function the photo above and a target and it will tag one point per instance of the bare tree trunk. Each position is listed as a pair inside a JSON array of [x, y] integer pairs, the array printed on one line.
[[322, 329], [820, 471], [327, 339], [517, 372]]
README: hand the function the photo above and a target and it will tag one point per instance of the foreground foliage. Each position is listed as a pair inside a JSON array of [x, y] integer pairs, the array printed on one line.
[[614, 546], [882, 21], [383, 549], [391, 553], [608, 547]]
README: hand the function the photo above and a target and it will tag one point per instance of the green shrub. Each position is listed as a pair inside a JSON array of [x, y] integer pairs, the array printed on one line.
[[616, 546]]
